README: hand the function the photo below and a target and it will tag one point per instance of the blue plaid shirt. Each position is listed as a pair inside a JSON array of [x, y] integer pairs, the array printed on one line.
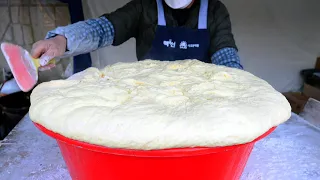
[[92, 34]]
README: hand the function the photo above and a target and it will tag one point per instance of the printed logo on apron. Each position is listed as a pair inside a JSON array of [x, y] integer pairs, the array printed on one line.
[[169, 44], [183, 44]]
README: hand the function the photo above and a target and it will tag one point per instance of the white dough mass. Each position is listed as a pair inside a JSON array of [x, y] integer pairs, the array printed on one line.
[[158, 105]]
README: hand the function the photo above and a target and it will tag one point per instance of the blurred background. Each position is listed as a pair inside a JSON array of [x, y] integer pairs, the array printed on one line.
[[276, 38], [278, 41]]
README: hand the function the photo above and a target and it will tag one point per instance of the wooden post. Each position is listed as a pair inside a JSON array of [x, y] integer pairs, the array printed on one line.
[[318, 63]]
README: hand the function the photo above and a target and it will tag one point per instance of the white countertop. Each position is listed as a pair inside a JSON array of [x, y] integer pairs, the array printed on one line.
[[291, 152]]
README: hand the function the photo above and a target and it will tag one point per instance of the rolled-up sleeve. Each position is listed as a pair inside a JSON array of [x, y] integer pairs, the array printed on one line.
[[227, 57], [85, 36], [125, 21], [223, 48], [220, 29]]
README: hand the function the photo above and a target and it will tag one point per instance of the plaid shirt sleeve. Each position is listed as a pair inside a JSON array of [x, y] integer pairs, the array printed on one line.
[[85, 36], [227, 57]]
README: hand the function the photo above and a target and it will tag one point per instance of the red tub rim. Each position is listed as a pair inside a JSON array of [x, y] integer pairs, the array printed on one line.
[[177, 152]]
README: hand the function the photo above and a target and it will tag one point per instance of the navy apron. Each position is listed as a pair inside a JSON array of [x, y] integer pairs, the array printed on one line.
[[180, 43]]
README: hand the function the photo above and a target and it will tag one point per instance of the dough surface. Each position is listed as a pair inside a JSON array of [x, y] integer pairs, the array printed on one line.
[[158, 105]]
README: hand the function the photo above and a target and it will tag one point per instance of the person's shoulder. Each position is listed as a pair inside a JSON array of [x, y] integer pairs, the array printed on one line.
[[146, 2], [150, 3], [213, 2], [139, 5], [216, 6], [148, 6]]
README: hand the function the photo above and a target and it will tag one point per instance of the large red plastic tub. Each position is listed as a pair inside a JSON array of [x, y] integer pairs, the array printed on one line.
[[91, 162]]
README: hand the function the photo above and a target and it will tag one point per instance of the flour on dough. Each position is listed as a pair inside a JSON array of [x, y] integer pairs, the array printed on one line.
[[158, 105]]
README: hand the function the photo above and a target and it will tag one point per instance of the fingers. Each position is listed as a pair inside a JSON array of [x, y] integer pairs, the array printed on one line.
[[45, 50], [46, 57], [47, 67], [50, 47]]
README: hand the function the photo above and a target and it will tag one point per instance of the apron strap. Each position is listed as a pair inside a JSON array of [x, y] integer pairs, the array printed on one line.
[[203, 15], [161, 18]]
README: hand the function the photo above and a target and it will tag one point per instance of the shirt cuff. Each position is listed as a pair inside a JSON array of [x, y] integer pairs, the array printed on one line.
[[227, 57], [85, 36]]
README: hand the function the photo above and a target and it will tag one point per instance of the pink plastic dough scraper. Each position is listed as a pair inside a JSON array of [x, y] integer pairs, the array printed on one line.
[[23, 66]]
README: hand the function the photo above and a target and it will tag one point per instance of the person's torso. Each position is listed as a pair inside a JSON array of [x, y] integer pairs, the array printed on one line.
[[174, 18]]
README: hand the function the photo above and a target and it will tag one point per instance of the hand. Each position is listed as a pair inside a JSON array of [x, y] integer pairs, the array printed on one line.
[[48, 49]]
